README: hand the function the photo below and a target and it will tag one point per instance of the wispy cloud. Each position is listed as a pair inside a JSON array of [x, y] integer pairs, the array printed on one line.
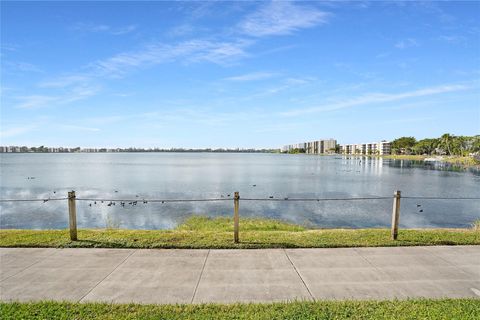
[[15, 131], [186, 116], [219, 52], [300, 81], [79, 93], [84, 84], [382, 55], [11, 47], [19, 66], [452, 38], [281, 18], [79, 128], [406, 43], [373, 98], [64, 81], [35, 101], [252, 76], [181, 30], [103, 28], [41, 101]]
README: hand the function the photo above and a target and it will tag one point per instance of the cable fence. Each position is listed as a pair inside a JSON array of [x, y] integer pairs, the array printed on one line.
[[235, 198], [166, 200], [33, 200]]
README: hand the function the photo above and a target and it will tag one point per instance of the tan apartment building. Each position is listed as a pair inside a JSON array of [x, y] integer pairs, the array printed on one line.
[[314, 147], [320, 146]]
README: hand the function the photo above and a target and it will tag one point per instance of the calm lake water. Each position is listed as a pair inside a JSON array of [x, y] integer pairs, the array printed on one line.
[[213, 175]]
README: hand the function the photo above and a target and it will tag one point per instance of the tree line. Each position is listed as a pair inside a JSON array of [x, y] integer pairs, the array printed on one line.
[[447, 144]]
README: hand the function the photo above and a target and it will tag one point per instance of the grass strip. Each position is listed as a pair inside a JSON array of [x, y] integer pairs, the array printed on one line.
[[390, 309], [214, 233]]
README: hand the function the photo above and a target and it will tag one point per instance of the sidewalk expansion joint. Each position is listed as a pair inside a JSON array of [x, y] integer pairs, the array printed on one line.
[[116, 267], [200, 276], [368, 261], [453, 264], [298, 273]]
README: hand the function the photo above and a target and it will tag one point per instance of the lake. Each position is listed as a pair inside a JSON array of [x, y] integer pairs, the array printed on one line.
[[216, 175]]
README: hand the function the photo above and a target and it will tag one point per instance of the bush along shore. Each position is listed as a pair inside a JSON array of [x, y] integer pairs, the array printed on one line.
[[199, 232], [461, 161]]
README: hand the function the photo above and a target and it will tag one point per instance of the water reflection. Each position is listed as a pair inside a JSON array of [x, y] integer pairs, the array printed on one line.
[[173, 176]]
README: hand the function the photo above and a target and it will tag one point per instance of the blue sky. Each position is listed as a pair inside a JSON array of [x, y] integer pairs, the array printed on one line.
[[236, 74]]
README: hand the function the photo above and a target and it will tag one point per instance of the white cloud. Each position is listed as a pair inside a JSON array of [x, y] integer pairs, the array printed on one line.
[[12, 132], [382, 55], [103, 28], [123, 30], [21, 66], [452, 39], [406, 43], [81, 85], [300, 81], [372, 98], [187, 51], [35, 101], [9, 47], [281, 18], [64, 81], [79, 93], [181, 30], [252, 76], [274, 18], [72, 95], [79, 128], [220, 52]]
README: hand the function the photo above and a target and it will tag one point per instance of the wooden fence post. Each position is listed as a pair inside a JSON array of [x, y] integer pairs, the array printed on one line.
[[72, 214], [236, 204], [395, 214]]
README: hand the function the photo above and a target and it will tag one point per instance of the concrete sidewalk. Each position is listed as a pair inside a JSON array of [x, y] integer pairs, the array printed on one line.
[[194, 276]]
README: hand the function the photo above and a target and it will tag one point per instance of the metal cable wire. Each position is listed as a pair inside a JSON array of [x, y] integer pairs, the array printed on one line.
[[155, 200], [314, 199], [244, 199], [32, 200], [441, 198]]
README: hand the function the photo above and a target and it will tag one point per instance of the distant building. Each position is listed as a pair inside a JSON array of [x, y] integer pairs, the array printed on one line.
[[372, 148], [291, 147], [313, 147]]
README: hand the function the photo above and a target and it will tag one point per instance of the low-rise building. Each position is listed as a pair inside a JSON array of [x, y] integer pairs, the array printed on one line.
[[371, 148]]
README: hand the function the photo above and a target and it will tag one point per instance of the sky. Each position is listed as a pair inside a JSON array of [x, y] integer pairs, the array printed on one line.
[[236, 74]]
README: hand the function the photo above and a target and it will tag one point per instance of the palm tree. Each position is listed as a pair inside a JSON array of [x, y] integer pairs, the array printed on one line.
[[445, 141]]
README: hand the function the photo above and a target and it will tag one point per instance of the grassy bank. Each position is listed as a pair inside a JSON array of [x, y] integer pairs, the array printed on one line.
[[456, 160], [201, 232], [408, 309]]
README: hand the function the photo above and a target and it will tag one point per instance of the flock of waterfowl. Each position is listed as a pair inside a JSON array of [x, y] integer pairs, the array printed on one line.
[[134, 203]]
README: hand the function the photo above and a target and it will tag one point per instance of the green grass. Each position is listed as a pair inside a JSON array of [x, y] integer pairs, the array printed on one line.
[[224, 224], [407, 309], [202, 232]]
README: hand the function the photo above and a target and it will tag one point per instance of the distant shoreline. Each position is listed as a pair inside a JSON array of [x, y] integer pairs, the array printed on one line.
[[147, 151]]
